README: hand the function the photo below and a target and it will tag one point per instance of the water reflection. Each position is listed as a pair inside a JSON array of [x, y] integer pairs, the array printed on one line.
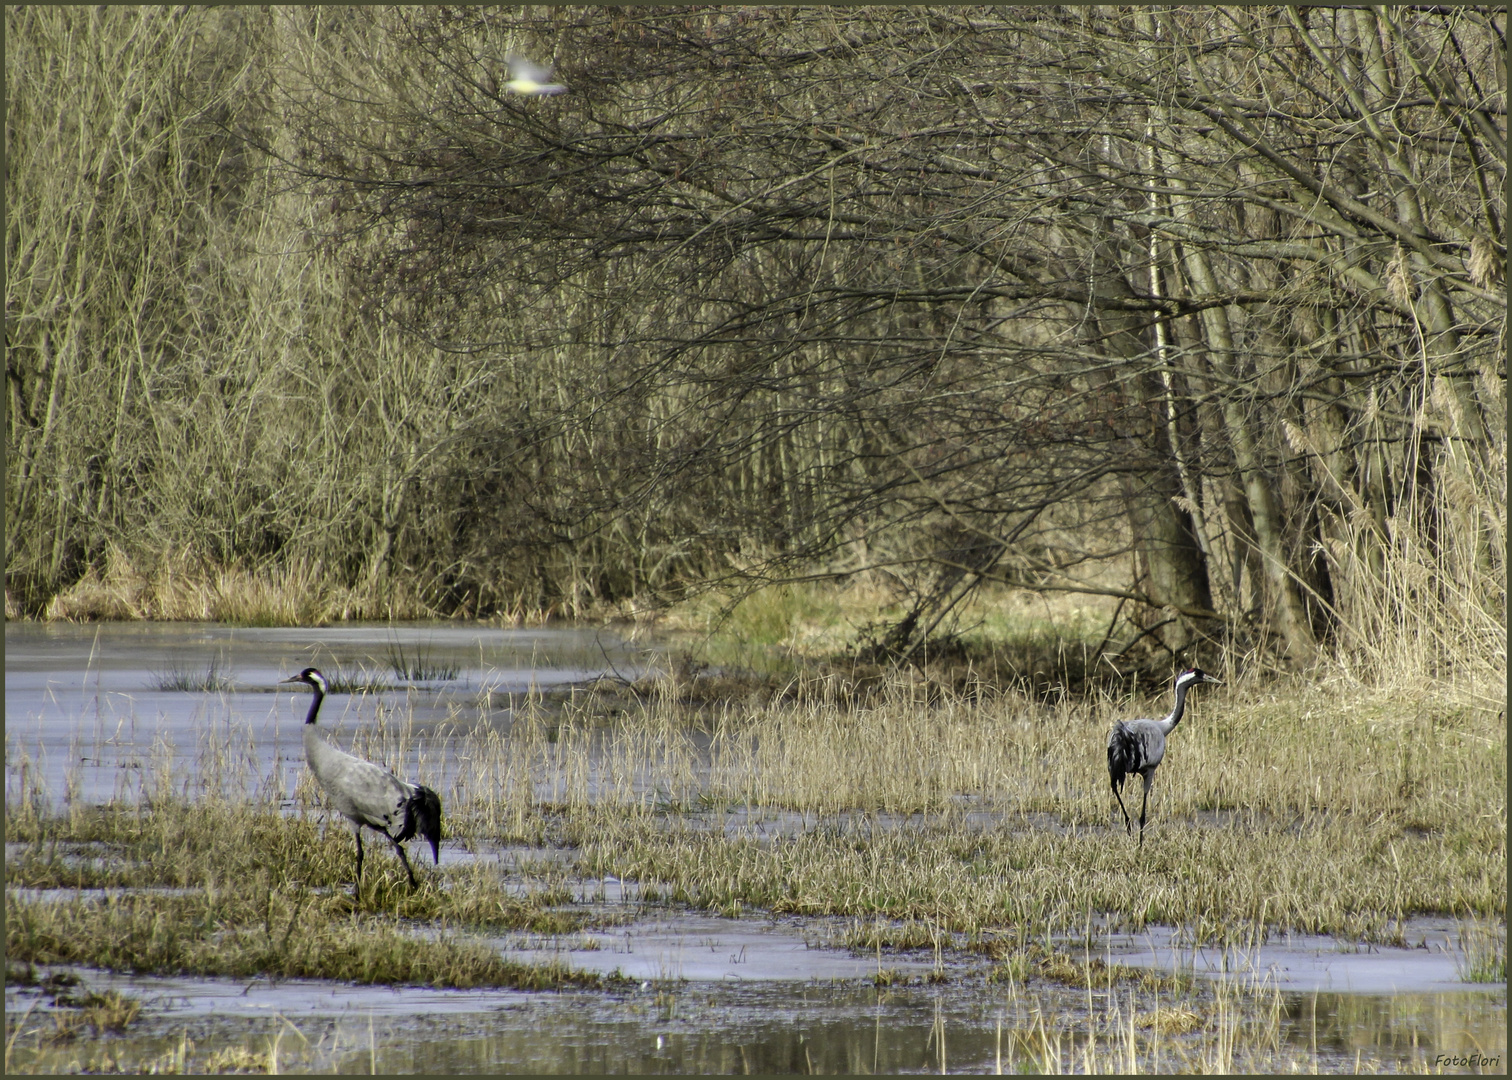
[[1401, 1024], [964, 1026], [820, 1029], [720, 1037]]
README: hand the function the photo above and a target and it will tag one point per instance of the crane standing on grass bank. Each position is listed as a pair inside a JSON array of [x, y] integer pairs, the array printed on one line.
[[366, 793], [1138, 746]]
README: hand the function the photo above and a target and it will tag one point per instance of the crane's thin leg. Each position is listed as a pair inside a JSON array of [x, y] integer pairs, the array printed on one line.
[[1144, 802], [357, 885], [405, 860], [1128, 825]]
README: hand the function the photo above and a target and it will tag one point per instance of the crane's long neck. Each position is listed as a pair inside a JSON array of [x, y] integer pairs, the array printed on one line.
[[315, 704], [1173, 717]]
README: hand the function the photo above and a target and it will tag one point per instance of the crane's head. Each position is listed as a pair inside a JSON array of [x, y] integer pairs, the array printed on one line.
[[1189, 677], [311, 677]]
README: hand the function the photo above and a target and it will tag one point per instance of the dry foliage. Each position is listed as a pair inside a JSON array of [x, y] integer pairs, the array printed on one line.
[[309, 319]]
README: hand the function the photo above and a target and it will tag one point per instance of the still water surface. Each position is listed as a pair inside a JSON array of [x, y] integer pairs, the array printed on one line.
[[86, 703]]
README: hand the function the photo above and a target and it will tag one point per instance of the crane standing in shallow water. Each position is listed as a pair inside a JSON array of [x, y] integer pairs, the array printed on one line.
[[1138, 746], [367, 794]]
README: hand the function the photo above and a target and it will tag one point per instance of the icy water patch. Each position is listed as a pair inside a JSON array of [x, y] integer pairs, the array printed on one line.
[[85, 709], [128, 657], [702, 948], [1432, 962]]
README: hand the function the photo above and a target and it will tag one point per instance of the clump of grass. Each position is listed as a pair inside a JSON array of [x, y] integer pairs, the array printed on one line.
[[1170, 1020], [1483, 953], [52, 1056], [1056, 965], [341, 679], [20, 974], [730, 622], [418, 666], [76, 1008], [110, 1011], [224, 848], [239, 1059], [877, 935], [176, 677], [282, 935], [1014, 969], [216, 887]]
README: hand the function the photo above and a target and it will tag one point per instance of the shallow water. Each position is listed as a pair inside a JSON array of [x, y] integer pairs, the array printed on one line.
[[756, 1025], [690, 946], [82, 703], [706, 994], [782, 994], [1432, 961]]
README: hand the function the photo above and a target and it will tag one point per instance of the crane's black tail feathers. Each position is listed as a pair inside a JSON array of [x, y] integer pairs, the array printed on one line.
[[422, 814], [1125, 755]]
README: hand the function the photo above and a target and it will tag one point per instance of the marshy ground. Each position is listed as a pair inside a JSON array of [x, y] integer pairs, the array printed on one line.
[[663, 879]]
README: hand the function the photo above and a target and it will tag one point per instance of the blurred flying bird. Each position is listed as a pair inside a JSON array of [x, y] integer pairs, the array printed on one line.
[[1138, 746], [528, 78], [367, 794]]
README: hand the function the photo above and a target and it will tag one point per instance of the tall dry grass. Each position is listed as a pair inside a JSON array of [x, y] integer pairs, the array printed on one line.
[[1315, 805], [1321, 807], [180, 586], [978, 823], [1426, 606]]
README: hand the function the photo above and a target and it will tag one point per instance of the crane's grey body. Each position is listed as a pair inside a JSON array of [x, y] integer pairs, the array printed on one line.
[[366, 794], [1139, 746]]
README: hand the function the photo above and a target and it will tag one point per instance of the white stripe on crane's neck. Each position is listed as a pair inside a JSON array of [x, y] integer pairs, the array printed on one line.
[[318, 685], [1184, 681]]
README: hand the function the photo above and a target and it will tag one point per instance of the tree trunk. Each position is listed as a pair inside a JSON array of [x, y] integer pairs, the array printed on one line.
[[1163, 530], [1285, 600]]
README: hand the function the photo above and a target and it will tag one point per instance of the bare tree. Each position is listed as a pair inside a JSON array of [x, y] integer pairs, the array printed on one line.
[[959, 295]]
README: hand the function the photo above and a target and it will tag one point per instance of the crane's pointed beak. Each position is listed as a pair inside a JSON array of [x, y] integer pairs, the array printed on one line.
[[294, 678], [1215, 682]]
